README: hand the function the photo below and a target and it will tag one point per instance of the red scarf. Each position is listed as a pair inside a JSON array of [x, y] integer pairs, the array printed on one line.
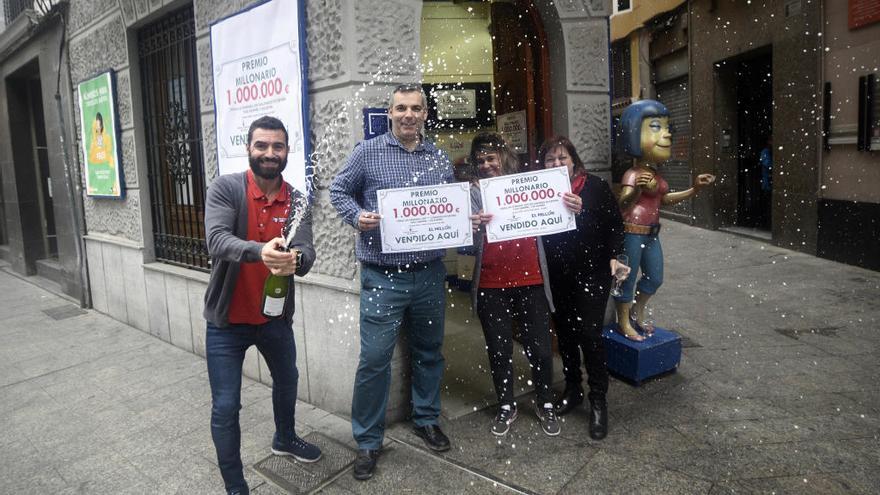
[[577, 185]]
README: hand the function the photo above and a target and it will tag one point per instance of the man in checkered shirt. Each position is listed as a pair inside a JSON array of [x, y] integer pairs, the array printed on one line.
[[396, 288]]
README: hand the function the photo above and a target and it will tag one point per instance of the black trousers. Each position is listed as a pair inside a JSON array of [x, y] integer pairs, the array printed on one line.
[[580, 301], [497, 308]]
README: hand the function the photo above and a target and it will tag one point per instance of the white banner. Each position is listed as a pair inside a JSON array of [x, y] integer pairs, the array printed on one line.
[[527, 204], [257, 59], [426, 217]]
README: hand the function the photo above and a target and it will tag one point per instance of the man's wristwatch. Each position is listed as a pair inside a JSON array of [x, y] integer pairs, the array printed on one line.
[[299, 258]]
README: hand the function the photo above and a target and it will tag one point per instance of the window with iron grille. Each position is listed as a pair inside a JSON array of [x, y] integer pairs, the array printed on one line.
[[621, 82], [167, 54], [13, 8]]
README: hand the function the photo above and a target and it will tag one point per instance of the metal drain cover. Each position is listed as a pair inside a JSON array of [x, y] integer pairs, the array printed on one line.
[[299, 477], [64, 312]]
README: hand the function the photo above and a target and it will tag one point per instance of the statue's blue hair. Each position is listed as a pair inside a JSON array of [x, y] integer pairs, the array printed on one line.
[[630, 137]]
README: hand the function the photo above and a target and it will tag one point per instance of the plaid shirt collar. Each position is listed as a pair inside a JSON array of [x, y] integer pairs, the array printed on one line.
[[391, 140]]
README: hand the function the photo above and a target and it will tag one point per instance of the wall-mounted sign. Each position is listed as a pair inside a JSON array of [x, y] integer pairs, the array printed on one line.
[[863, 13], [513, 128], [97, 104], [375, 122], [261, 75]]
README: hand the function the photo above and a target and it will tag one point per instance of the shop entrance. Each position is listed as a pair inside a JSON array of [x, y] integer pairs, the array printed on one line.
[[31, 156], [470, 49], [754, 111]]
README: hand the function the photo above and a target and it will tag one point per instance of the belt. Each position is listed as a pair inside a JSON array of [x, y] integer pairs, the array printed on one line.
[[409, 267], [632, 228]]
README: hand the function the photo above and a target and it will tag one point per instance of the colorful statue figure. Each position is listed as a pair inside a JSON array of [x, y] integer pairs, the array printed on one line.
[[646, 137]]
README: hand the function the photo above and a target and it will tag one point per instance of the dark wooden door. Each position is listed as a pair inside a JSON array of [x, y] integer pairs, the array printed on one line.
[[521, 71]]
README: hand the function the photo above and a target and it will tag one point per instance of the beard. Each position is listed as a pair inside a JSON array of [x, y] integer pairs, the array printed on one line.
[[265, 172]]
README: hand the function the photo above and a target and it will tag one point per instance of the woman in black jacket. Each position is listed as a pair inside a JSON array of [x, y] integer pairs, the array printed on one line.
[[581, 263]]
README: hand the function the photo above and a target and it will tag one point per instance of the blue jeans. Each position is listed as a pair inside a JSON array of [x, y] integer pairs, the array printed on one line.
[[645, 252], [225, 349], [389, 300]]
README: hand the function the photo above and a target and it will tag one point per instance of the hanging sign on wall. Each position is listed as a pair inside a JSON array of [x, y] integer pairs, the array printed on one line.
[[100, 139]]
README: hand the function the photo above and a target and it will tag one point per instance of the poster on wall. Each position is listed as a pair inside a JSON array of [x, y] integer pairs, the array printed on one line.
[[100, 148], [456, 104], [512, 126], [259, 68]]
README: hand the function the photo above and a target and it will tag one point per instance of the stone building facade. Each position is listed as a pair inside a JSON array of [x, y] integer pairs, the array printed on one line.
[[849, 204], [725, 41], [355, 57], [789, 70]]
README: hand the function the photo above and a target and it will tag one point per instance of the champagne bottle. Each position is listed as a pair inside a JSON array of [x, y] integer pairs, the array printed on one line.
[[275, 293], [276, 288]]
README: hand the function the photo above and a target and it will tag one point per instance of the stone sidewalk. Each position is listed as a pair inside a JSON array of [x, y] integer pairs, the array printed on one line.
[[91, 405], [778, 392]]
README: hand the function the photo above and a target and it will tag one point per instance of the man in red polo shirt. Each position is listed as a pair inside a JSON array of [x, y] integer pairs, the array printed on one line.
[[244, 216]]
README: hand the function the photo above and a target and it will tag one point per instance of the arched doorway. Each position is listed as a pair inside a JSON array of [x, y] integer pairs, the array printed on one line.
[[510, 67], [486, 69]]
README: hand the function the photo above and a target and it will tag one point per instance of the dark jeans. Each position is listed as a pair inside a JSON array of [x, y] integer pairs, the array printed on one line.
[[225, 348], [497, 309], [580, 312], [389, 300]]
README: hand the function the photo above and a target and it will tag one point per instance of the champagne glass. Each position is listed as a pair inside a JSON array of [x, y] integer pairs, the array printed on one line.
[[648, 320], [620, 274]]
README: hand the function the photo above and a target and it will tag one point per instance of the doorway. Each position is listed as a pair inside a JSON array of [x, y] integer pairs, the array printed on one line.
[[754, 115], [501, 46], [31, 156]]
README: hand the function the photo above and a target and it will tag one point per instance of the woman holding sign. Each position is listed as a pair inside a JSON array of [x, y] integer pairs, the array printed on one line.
[[581, 263], [510, 283]]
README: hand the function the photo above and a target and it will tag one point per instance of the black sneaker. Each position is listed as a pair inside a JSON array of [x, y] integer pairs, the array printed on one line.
[[297, 448], [433, 437], [365, 464], [548, 420], [505, 417]]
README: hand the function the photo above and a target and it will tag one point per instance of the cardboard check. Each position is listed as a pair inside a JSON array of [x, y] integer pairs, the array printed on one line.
[[424, 218], [527, 204]]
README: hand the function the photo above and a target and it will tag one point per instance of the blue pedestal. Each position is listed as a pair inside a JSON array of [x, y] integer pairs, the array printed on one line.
[[638, 361]]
